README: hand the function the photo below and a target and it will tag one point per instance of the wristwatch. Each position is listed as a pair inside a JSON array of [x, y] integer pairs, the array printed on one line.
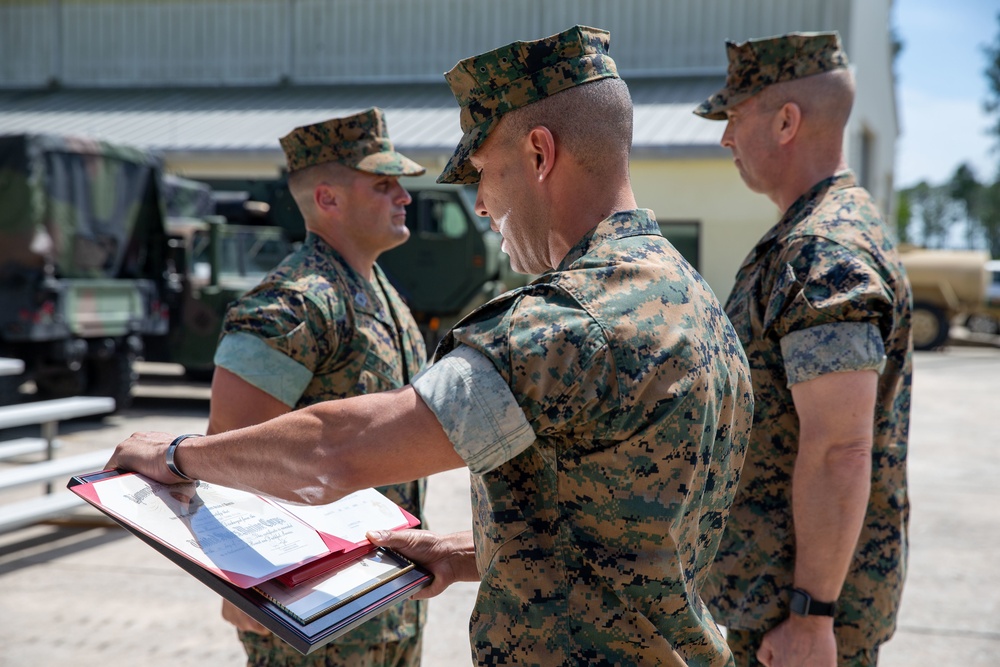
[[801, 603]]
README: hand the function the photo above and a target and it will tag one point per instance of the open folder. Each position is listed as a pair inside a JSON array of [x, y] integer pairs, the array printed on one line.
[[307, 573]]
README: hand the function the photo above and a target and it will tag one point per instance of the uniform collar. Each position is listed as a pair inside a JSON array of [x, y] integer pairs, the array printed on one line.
[[637, 222], [800, 209]]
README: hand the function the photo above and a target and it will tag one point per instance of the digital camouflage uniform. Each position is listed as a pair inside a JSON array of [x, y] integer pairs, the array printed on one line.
[[823, 291], [315, 330], [592, 542]]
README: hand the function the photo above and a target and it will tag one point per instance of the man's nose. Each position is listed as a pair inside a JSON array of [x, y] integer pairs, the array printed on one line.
[[402, 195], [727, 136]]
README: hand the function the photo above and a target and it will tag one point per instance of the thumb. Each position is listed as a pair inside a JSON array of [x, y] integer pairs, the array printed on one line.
[[380, 537]]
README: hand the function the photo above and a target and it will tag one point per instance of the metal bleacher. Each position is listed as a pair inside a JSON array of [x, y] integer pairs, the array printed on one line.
[[51, 470]]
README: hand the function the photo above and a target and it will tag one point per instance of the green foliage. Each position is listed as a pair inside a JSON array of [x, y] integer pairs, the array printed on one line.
[[937, 212], [965, 189], [992, 103], [904, 214], [990, 217]]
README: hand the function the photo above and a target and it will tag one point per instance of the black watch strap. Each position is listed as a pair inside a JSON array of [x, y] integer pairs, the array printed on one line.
[[801, 603]]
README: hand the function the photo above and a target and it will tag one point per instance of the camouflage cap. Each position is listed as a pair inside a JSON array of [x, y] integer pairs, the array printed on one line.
[[360, 141], [491, 84], [758, 63]]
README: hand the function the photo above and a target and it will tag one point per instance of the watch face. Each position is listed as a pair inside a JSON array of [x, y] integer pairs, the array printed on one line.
[[799, 603]]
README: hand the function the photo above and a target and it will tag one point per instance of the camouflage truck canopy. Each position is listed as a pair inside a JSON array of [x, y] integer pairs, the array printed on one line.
[[72, 207]]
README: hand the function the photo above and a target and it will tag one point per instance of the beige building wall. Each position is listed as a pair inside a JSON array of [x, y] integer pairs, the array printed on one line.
[[870, 143], [708, 191]]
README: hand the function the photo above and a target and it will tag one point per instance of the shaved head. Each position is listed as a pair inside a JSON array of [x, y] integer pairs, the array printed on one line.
[[825, 99], [302, 183], [591, 122]]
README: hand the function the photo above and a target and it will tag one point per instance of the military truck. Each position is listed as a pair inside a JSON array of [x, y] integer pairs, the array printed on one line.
[[81, 263], [949, 287], [94, 273], [210, 264]]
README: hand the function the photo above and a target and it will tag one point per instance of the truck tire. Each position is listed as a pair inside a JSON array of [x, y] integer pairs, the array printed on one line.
[[930, 326], [115, 377]]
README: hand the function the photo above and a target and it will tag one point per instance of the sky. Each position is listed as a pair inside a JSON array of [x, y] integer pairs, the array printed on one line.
[[940, 89]]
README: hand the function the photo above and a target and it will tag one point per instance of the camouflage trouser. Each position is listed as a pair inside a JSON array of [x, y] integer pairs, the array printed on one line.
[[272, 652], [744, 645]]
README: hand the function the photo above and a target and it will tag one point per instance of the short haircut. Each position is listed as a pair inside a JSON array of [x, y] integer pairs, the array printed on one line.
[[302, 182], [828, 96], [592, 122]]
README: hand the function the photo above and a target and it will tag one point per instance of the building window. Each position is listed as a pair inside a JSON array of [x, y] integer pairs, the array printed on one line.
[[686, 237]]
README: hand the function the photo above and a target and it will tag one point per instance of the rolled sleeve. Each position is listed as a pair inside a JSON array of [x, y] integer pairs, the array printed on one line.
[[251, 359], [476, 408], [832, 348]]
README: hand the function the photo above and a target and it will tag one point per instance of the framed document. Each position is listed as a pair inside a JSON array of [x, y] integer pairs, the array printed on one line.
[[306, 573]]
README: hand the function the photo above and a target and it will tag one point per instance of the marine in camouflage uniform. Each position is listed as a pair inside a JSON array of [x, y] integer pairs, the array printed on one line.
[[594, 530], [822, 292], [314, 330], [592, 543]]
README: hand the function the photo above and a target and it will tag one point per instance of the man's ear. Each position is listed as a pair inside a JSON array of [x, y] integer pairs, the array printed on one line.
[[542, 147], [325, 198], [787, 122]]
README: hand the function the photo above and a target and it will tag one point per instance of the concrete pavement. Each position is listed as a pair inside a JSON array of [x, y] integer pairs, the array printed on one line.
[[95, 596]]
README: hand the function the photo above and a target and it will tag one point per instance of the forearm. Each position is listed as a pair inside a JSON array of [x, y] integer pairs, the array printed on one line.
[[830, 489], [314, 455]]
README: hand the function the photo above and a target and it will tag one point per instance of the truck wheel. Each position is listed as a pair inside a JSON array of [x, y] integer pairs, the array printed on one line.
[[930, 326], [115, 377]]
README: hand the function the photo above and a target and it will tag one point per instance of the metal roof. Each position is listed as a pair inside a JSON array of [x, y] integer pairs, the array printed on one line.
[[422, 118]]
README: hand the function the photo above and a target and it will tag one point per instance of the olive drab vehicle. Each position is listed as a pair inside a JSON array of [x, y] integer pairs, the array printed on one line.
[[95, 273], [210, 263], [82, 258], [451, 263]]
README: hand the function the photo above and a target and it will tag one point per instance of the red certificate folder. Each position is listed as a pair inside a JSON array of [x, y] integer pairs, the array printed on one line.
[[306, 573]]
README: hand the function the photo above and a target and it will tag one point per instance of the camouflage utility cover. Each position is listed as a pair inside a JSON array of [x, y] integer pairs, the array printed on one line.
[[360, 141], [758, 63], [593, 543], [826, 268], [333, 333], [491, 84], [78, 208]]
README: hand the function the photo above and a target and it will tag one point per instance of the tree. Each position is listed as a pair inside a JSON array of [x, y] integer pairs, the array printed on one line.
[[966, 189], [904, 213], [992, 103], [937, 212], [989, 211], [990, 218]]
